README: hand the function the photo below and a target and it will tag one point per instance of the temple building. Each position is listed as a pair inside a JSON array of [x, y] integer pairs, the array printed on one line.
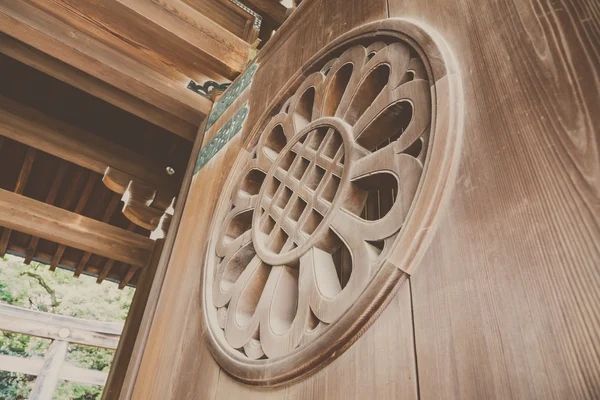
[[325, 199]]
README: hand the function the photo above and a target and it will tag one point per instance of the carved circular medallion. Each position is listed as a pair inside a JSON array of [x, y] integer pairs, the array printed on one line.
[[328, 209], [301, 193]]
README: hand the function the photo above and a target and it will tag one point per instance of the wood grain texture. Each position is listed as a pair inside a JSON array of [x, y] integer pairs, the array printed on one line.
[[271, 10], [116, 375], [19, 188], [94, 86], [141, 340], [221, 50], [77, 48], [70, 229], [47, 379], [227, 15], [68, 372], [42, 132], [506, 299], [298, 39]]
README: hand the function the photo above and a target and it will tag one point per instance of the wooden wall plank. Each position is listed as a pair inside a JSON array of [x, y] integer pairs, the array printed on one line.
[[55, 224], [380, 365], [506, 299], [64, 42], [94, 86]]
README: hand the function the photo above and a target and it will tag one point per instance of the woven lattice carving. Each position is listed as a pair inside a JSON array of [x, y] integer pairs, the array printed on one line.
[[321, 200]]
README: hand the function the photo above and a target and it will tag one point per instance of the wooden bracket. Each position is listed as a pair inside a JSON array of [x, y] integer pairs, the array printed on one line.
[[144, 206]]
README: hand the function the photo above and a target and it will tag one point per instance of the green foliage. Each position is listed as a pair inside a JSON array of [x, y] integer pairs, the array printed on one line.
[[15, 386], [75, 391], [90, 357], [35, 287]]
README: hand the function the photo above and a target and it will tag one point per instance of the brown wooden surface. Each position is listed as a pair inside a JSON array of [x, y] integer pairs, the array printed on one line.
[[47, 380], [94, 86], [141, 340], [116, 375], [19, 188], [271, 10], [504, 301], [63, 36], [228, 15], [221, 50], [68, 372], [35, 129], [52, 223]]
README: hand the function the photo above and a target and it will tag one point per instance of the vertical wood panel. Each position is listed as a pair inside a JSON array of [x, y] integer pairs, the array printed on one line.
[[506, 300]]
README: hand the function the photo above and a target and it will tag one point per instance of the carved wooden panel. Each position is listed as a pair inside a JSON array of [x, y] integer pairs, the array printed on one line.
[[330, 204]]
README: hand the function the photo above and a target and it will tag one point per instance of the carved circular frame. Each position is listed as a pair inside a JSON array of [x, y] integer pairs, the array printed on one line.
[[434, 188]]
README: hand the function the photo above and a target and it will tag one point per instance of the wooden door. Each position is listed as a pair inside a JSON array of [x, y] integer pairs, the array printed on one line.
[[489, 285]]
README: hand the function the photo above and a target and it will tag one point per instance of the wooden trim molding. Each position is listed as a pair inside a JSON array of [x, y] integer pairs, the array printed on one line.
[[329, 206]]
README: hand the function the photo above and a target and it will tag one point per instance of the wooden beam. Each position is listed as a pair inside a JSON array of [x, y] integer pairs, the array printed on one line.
[[47, 379], [271, 10], [123, 388], [72, 323], [55, 224], [68, 372], [19, 187], [74, 47], [217, 45], [81, 203], [94, 86], [108, 213], [131, 328], [55, 137], [66, 204], [105, 271], [50, 198], [52, 326], [130, 273]]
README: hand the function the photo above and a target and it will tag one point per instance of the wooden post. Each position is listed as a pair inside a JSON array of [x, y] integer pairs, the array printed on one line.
[[47, 380], [116, 375]]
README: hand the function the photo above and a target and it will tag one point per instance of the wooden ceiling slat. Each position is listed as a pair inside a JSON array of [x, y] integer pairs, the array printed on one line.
[[106, 270], [50, 198], [96, 87], [68, 263], [85, 195], [82, 263], [35, 129], [130, 273], [66, 204], [64, 42], [108, 213], [19, 187], [70, 229]]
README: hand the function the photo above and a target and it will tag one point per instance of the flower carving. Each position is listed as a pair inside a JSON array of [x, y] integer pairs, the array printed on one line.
[[325, 193]]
